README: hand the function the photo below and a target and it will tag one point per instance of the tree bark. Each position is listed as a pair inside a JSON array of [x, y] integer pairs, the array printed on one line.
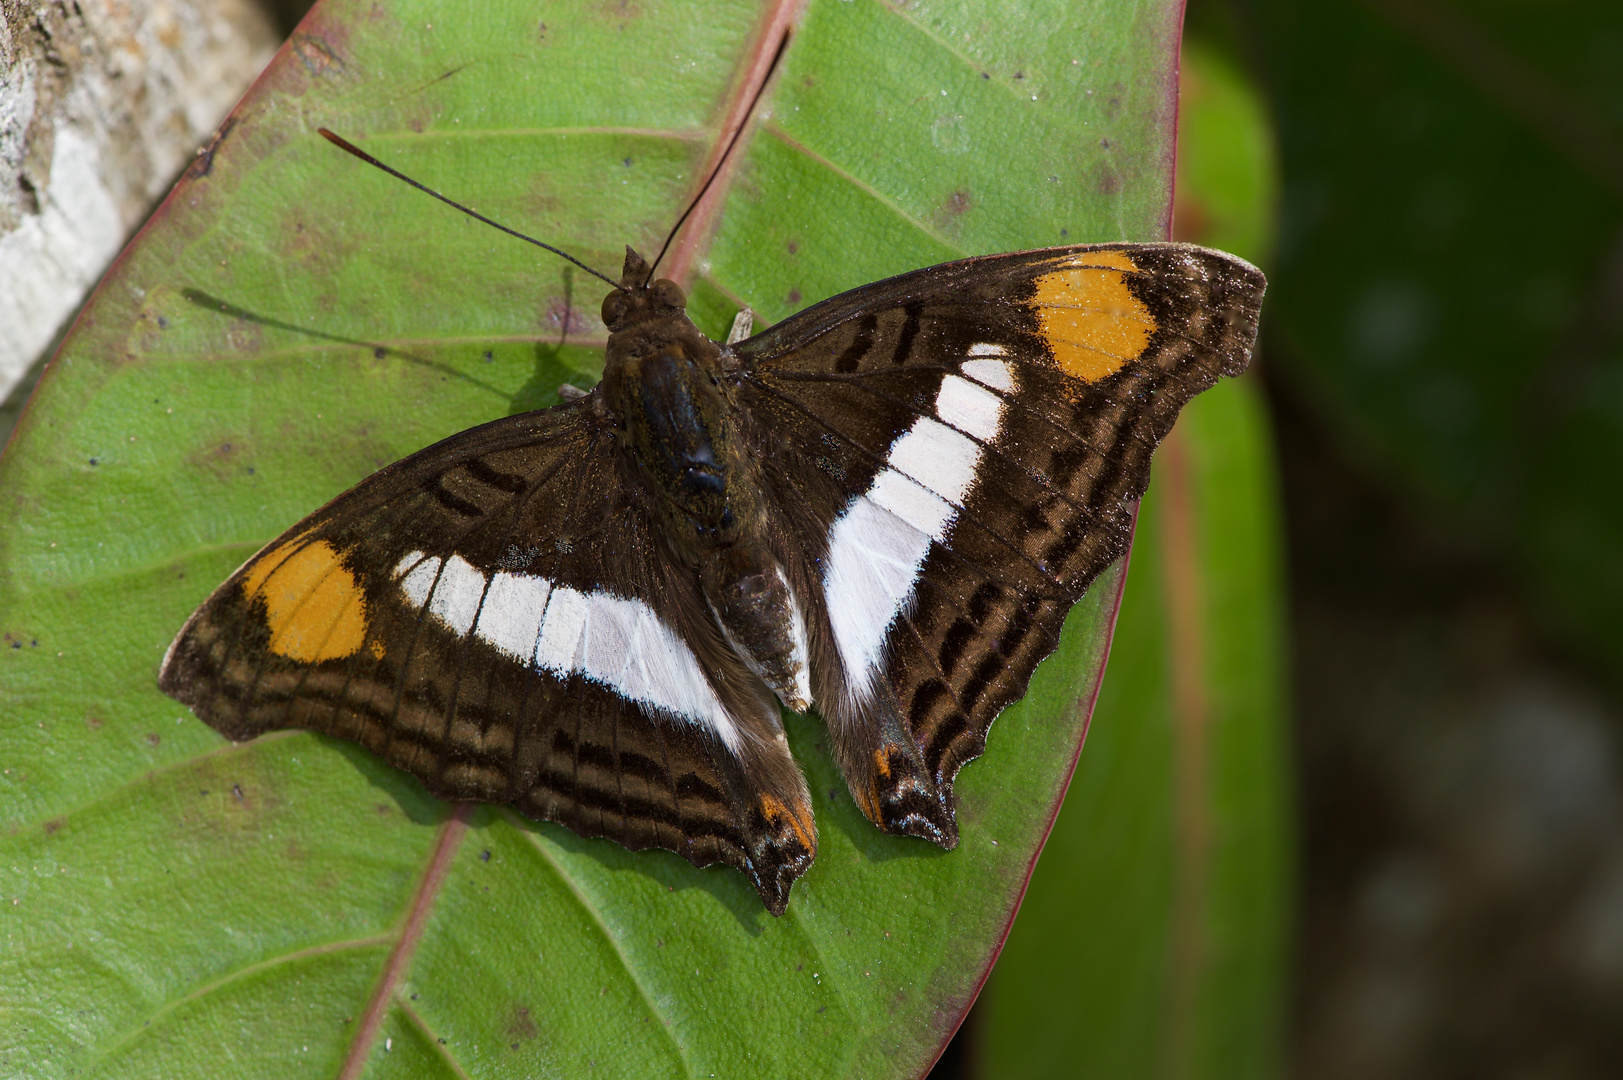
[[102, 103]]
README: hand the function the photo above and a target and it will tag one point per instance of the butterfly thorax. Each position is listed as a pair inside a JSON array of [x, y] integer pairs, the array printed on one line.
[[667, 398], [672, 420]]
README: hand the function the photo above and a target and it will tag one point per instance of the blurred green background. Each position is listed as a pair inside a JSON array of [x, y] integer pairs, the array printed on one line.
[[1422, 702], [1436, 193]]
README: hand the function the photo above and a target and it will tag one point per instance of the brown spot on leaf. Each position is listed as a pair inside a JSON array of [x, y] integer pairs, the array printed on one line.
[[317, 57], [950, 211], [1106, 180], [153, 738], [53, 826], [521, 1025], [94, 722], [621, 11], [223, 457], [203, 164], [541, 202], [793, 297]]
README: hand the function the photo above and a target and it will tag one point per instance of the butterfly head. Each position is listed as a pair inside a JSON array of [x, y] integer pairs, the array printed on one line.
[[638, 300]]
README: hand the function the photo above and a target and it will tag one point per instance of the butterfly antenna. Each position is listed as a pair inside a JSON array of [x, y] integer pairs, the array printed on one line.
[[783, 43], [349, 147]]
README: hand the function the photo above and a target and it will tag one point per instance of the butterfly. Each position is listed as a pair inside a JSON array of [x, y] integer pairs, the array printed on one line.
[[881, 508]]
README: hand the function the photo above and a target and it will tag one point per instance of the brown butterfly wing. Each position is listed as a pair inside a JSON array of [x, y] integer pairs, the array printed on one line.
[[1054, 374], [411, 615]]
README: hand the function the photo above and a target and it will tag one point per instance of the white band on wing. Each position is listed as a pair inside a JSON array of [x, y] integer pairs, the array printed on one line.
[[878, 545], [619, 643]]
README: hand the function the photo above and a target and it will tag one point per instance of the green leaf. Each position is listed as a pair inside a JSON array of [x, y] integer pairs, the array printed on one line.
[[289, 321], [1450, 269], [1228, 179], [1153, 939]]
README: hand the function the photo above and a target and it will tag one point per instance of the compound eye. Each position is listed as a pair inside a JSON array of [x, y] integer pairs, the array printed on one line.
[[614, 308], [668, 294]]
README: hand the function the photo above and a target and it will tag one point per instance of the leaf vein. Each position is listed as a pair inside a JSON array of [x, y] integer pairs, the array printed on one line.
[[596, 918]]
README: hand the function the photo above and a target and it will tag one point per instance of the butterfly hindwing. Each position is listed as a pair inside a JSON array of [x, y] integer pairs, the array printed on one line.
[[961, 448], [496, 615]]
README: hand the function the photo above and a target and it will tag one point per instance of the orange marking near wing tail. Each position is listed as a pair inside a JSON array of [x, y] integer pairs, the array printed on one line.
[[1090, 318], [775, 810], [868, 800], [313, 605]]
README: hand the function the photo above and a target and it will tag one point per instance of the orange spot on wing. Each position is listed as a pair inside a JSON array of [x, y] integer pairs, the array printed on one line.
[[868, 802], [775, 811], [1090, 318], [881, 762], [313, 606]]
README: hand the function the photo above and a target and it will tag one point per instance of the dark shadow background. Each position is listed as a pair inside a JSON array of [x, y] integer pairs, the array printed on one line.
[[1444, 360]]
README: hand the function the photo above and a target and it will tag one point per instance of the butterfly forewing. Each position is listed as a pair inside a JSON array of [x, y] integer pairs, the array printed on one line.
[[991, 424], [495, 615]]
